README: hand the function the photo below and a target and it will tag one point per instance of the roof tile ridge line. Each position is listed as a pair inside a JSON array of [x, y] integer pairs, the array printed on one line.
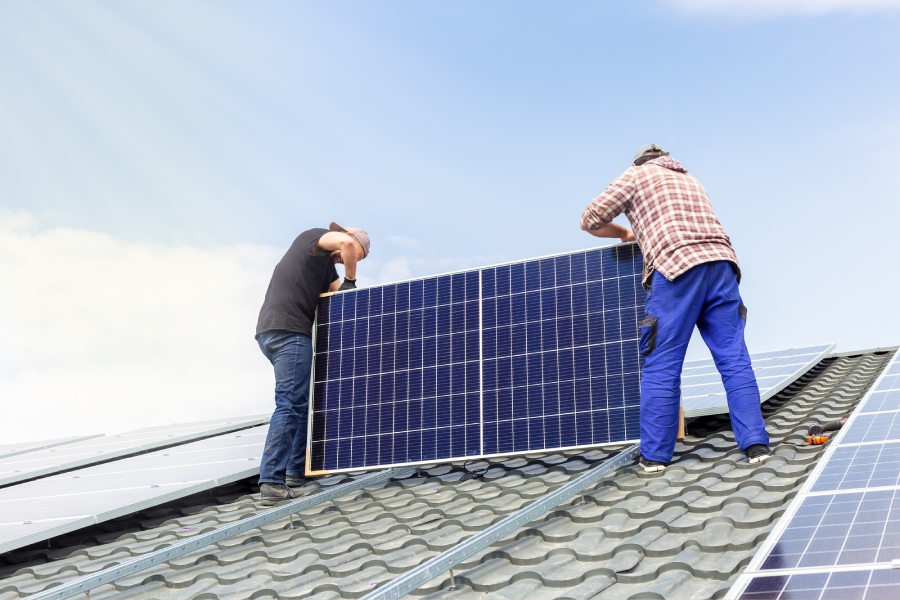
[[77, 438], [744, 578], [86, 583], [135, 451], [425, 572], [830, 388]]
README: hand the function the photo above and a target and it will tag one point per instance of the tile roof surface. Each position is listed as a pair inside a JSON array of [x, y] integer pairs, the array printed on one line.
[[685, 533]]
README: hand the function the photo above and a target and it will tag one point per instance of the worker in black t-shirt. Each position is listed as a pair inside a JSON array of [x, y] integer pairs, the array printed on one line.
[[284, 333]]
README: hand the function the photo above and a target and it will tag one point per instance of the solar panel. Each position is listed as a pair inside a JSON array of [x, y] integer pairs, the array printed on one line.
[[873, 427], [846, 518], [91, 451], [38, 510], [860, 467], [7, 450], [493, 361], [702, 392], [862, 584]]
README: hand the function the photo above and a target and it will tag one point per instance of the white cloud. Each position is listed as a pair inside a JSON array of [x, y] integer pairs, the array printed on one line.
[[99, 335], [402, 240], [779, 7]]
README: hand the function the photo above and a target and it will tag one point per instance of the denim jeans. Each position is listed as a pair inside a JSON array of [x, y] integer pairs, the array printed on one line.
[[706, 296], [285, 452]]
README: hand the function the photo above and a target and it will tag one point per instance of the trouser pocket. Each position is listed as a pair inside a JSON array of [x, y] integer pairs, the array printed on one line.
[[648, 335], [742, 310]]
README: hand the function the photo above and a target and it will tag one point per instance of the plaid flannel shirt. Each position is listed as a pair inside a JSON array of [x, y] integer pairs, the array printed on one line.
[[671, 215]]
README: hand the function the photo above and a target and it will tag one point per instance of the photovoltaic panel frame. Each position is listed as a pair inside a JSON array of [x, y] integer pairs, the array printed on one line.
[[840, 536], [500, 360]]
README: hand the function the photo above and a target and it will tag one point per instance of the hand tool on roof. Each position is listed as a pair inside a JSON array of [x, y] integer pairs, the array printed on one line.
[[816, 432]]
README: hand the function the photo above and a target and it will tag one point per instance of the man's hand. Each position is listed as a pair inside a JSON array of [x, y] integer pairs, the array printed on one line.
[[613, 230], [349, 284]]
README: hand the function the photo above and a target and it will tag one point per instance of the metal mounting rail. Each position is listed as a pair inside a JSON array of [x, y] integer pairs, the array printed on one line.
[[414, 578], [83, 585]]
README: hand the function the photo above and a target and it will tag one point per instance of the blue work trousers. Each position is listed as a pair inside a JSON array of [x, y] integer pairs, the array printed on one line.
[[285, 452], [706, 296]]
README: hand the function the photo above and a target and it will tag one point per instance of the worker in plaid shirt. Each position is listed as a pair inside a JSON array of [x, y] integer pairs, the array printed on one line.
[[691, 275]]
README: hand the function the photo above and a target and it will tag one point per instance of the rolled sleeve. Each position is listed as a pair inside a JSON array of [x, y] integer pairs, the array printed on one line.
[[610, 204]]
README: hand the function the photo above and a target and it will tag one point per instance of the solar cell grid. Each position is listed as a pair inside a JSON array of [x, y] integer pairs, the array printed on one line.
[[891, 382], [859, 467], [867, 584], [882, 401], [840, 529], [875, 427], [512, 358]]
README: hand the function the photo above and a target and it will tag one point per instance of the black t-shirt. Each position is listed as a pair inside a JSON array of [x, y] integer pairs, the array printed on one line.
[[304, 272]]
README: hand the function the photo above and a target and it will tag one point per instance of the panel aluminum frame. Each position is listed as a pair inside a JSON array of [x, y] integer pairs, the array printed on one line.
[[7, 450]]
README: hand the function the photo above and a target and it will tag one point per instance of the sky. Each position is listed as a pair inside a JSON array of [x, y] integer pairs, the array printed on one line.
[[157, 158]]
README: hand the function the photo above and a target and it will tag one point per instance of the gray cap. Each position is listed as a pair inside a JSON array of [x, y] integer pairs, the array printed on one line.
[[358, 234], [650, 148]]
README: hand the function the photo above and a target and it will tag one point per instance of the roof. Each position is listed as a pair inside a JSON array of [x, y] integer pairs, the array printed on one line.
[[685, 533]]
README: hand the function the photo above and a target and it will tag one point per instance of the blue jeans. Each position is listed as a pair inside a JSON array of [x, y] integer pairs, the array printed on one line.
[[285, 452], [706, 296]]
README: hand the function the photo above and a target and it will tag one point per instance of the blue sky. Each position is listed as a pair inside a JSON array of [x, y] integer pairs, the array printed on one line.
[[457, 134]]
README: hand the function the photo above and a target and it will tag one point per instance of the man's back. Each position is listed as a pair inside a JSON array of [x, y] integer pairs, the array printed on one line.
[[671, 214]]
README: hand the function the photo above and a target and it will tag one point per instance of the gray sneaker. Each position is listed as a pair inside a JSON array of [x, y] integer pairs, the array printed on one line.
[[271, 494], [294, 481]]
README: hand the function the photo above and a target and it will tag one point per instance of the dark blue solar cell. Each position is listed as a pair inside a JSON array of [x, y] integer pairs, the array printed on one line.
[[457, 318], [458, 287], [532, 306], [564, 302], [458, 440], [375, 302], [415, 324], [505, 404], [473, 289], [611, 296], [533, 337], [503, 280], [611, 326], [334, 338], [388, 323], [443, 289], [519, 339], [520, 435], [321, 367], [548, 335], [551, 398], [429, 413], [564, 332], [416, 295], [400, 453], [628, 323], [471, 316], [430, 292], [401, 386], [584, 428], [517, 278], [362, 303], [548, 305], [429, 322], [401, 327], [374, 336], [567, 436], [360, 361], [563, 270], [609, 268], [518, 312], [594, 292], [548, 272], [429, 444], [323, 315], [414, 415], [489, 343], [349, 306], [533, 275], [504, 312], [593, 262], [415, 384], [488, 283], [600, 426], [489, 313], [336, 308], [457, 347], [358, 427], [551, 432], [361, 332], [443, 442], [443, 319], [401, 355], [490, 438], [579, 275]]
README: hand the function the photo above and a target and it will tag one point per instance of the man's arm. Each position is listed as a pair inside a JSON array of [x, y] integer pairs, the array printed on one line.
[[346, 245], [598, 215], [335, 285]]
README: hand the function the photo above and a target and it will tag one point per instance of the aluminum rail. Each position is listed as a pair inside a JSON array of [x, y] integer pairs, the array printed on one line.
[[83, 585], [415, 578]]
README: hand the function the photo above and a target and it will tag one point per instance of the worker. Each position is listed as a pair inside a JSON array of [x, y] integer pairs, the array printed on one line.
[[691, 275], [284, 334]]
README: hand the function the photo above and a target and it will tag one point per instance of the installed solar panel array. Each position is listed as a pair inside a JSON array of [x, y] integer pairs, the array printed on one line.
[[505, 359], [841, 533], [702, 392]]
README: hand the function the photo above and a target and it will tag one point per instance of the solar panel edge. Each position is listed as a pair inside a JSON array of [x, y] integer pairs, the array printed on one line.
[[754, 567]]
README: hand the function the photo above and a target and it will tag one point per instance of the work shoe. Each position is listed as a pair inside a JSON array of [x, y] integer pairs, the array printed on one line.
[[294, 481], [757, 453], [652, 466], [271, 494]]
